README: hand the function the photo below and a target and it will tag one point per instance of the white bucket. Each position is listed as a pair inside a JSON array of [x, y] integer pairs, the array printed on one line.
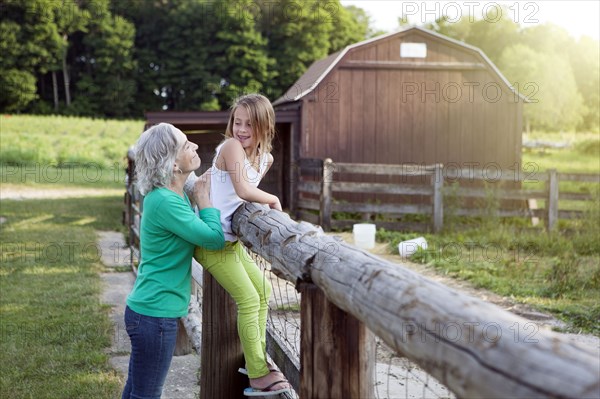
[[409, 247], [364, 235]]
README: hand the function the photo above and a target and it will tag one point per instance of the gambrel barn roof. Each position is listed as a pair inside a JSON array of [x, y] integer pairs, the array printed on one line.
[[320, 68]]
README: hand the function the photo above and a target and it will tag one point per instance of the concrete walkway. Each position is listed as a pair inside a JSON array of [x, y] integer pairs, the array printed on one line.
[[182, 380]]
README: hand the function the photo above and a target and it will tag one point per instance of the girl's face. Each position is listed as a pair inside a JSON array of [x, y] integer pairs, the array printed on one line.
[[187, 158], [242, 128]]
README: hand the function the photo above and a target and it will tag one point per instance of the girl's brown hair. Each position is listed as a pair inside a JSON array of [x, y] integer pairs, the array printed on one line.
[[262, 118]]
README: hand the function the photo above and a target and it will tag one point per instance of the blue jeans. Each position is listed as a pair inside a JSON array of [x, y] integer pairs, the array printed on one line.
[[152, 346]]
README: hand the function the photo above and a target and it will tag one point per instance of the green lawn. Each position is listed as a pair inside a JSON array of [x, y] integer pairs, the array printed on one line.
[[46, 141], [54, 329]]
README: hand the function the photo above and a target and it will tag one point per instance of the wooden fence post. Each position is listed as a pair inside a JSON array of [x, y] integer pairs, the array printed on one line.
[[552, 205], [221, 353], [325, 211], [438, 207], [337, 354]]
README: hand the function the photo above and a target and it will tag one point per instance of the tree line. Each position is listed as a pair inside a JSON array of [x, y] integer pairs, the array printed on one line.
[[119, 58]]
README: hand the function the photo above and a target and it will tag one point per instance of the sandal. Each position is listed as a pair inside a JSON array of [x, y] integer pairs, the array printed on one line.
[[266, 391]]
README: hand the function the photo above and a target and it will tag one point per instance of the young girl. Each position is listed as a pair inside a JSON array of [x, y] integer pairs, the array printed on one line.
[[240, 163]]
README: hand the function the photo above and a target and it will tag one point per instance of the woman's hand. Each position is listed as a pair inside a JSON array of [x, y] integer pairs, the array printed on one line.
[[202, 191]]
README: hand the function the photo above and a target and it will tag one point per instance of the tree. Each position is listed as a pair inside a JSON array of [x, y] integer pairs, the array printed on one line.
[[106, 84], [492, 34], [350, 25], [18, 86], [69, 19], [585, 62], [459, 30], [547, 79], [29, 41], [534, 60], [239, 52], [172, 49], [298, 33]]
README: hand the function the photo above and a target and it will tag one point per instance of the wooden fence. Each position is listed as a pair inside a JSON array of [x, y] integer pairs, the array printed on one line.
[[320, 187], [474, 348]]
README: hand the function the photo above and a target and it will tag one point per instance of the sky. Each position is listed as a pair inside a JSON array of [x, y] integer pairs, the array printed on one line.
[[577, 17]]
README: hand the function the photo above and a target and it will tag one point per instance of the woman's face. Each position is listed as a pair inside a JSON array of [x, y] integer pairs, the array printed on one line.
[[242, 128], [187, 158]]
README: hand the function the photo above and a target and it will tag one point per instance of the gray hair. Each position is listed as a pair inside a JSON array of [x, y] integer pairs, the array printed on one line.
[[155, 155]]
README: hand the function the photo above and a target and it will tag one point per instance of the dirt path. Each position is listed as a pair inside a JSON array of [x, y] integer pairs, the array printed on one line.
[[12, 192]]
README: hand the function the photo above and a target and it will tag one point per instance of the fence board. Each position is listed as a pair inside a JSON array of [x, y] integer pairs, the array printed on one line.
[[437, 200], [581, 177], [499, 212], [311, 204], [570, 214], [310, 187], [492, 175], [382, 208], [552, 200], [576, 196], [384, 169], [500, 193], [309, 217], [381, 188]]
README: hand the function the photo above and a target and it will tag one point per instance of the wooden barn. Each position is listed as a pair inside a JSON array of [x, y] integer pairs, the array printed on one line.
[[413, 96], [409, 97]]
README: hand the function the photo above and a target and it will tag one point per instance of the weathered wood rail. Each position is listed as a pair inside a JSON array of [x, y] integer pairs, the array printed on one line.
[[329, 181], [476, 349]]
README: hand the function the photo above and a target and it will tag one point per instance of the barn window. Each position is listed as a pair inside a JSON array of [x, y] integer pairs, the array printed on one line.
[[413, 50]]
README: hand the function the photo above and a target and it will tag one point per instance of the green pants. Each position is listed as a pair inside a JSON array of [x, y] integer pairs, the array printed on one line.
[[239, 275]]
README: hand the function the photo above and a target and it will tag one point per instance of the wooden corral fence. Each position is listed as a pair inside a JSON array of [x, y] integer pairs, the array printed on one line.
[[474, 348], [322, 182]]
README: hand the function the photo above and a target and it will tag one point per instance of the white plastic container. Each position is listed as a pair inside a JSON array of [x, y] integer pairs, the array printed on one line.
[[364, 235], [409, 247]]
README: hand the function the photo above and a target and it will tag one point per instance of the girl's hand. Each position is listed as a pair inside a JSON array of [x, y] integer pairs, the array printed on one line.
[[202, 191], [276, 205]]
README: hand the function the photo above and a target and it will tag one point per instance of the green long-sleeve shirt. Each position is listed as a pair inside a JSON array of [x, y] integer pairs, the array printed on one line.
[[170, 231]]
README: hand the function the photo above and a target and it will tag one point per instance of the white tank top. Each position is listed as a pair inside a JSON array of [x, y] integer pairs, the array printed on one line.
[[222, 192]]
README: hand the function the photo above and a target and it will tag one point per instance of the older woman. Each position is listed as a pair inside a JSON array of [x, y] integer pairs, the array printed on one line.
[[170, 230]]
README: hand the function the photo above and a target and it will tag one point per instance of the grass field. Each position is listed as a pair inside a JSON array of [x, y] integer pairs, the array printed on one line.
[[49, 141], [54, 329]]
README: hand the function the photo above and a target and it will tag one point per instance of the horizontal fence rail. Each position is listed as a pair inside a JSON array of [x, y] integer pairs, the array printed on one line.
[[476, 349]]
